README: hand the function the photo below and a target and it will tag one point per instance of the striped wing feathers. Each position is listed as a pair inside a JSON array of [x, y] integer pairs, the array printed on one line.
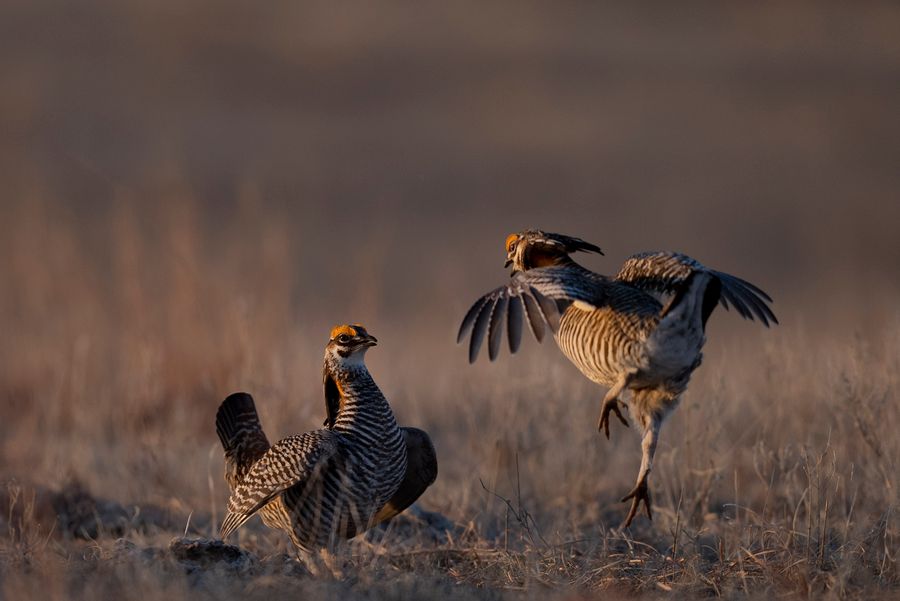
[[663, 272], [504, 309], [288, 462], [538, 297]]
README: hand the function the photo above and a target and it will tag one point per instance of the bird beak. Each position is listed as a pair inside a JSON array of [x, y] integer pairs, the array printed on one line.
[[507, 264], [370, 341]]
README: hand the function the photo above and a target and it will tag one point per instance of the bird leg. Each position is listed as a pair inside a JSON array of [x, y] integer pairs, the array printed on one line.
[[611, 404], [641, 491]]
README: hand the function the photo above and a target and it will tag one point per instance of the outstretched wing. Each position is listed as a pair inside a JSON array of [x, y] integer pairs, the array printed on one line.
[[505, 307], [288, 462], [664, 273], [539, 295]]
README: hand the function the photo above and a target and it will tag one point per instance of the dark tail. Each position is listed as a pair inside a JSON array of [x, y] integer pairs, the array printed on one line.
[[711, 294], [238, 427], [711, 298]]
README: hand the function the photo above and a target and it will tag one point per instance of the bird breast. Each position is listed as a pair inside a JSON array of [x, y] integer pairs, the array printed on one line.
[[602, 343]]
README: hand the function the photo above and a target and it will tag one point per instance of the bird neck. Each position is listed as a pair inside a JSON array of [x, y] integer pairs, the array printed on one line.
[[361, 401], [542, 256]]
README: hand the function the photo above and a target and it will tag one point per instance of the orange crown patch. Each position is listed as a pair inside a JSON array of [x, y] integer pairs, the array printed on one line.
[[345, 329], [351, 330], [510, 240]]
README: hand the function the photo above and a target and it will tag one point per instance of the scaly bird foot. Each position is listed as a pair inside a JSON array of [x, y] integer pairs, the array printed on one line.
[[611, 405], [639, 493]]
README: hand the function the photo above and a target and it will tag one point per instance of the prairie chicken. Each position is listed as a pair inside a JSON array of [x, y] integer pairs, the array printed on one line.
[[328, 484], [616, 330]]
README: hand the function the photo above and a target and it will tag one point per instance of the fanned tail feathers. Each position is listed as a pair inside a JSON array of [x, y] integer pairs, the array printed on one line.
[[241, 434]]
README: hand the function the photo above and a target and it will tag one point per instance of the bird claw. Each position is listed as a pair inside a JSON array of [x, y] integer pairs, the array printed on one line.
[[611, 405], [641, 492]]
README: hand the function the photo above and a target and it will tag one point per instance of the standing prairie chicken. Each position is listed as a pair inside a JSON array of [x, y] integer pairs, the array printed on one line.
[[616, 330], [328, 484]]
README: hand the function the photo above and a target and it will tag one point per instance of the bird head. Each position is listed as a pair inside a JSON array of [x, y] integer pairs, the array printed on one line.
[[534, 248], [348, 345]]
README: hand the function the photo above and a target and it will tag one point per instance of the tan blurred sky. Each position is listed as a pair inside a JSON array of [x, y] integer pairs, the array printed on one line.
[[405, 140]]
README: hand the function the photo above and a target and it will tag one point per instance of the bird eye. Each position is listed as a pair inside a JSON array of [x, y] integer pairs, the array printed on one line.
[[343, 338], [511, 242]]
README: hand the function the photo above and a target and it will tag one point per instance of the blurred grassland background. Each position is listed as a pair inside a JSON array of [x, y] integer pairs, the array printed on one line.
[[193, 194]]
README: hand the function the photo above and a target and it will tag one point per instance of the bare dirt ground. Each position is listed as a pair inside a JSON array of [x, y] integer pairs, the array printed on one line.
[[193, 195]]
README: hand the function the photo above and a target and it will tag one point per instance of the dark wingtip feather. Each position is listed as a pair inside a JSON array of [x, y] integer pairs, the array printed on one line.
[[481, 324], [514, 323], [549, 310], [756, 304], [469, 319], [736, 302], [753, 297], [758, 291], [573, 244], [533, 312], [495, 329], [760, 299], [592, 248]]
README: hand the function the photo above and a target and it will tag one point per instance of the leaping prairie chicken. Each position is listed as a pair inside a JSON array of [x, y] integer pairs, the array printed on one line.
[[616, 330], [328, 484]]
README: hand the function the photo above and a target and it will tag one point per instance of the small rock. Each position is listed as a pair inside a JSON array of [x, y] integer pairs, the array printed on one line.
[[205, 552]]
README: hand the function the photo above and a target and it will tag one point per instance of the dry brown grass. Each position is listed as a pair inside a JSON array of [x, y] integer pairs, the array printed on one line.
[[193, 197], [777, 476]]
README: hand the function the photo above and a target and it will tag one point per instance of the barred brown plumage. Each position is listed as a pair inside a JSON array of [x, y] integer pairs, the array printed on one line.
[[617, 330], [328, 484]]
